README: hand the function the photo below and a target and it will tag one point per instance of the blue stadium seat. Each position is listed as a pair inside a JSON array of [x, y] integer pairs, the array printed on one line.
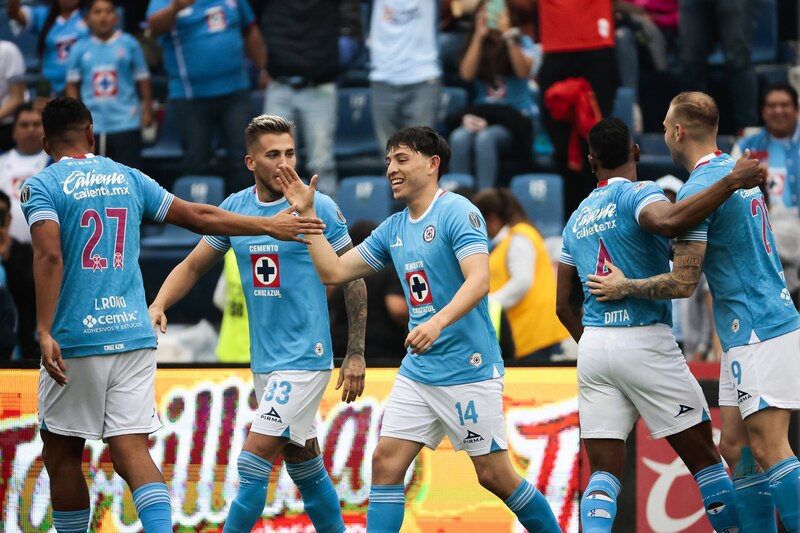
[[256, 102], [453, 99], [652, 144], [26, 41], [451, 182], [725, 142], [765, 36], [623, 106], [199, 189], [541, 195], [167, 145], [365, 198], [355, 134], [654, 158]]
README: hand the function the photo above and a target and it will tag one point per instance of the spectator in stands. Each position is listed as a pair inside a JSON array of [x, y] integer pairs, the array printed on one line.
[[777, 145], [498, 59], [522, 277], [22, 162], [732, 22], [405, 75], [234, 332], [59, 26], [105, 71], [204, 46], [303, 63], [16, 289], [387, 310], [12, 90], [577, 38]]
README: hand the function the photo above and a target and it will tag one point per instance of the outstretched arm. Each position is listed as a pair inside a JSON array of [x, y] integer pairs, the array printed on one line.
[[569, 300], [672, 220], [679, 283], [182, 278], [351, 376]]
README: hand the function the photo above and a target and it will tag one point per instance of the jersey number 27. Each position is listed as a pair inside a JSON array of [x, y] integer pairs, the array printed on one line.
[[92, 260]]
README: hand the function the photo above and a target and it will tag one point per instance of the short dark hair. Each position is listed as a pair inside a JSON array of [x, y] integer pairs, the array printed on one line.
[[24, 107], [784, 88], [610, 143], [63, 116], [89, 4], [423, 140]]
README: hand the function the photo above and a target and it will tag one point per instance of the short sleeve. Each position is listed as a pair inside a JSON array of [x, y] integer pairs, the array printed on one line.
[[465, 228], [221, 243], [246, 13], [375, 248], [566, 255], [74, 62], [335, 223], [699, 232], [37, 202], [13, 65], [140, 70], [642, 194], [157, 200], [156, 5]]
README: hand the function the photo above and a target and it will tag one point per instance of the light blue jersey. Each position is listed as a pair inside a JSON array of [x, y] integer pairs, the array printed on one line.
[[204, 52], [751, 301], [287, 308], [606, 226], [426, 254], [99, 205], [108, 72], [62, 36]]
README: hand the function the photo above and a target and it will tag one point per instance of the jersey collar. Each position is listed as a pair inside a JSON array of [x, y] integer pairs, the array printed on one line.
[[601, 184], [84, 156], [436, 196], [706, 159], [279, 201], [116, 35]]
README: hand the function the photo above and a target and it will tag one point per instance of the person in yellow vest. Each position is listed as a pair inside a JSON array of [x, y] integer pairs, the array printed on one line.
[[234, 333], [521, 279]]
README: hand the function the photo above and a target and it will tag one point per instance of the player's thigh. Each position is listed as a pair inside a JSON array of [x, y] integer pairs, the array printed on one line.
[[652, 372], [603, 409], [130, 400], [472, 414], [409, 416], [78, 408], [288, 403]]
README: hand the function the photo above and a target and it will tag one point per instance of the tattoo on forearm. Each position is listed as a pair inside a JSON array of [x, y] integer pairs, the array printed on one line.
[[679, 283], [355, 300]]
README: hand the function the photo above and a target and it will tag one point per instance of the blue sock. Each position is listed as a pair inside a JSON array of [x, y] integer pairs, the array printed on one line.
[[719, 500], [784, 483], [532, 510], [599, 502], [153, 507], [71, 521], [319, 495], [252, 496], [754, 504], [387, 505]]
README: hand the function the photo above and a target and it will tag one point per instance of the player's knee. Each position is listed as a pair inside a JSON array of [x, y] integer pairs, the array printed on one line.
[[59, 463], [730, 449], [296, 455], [385, 467], [489, 478]]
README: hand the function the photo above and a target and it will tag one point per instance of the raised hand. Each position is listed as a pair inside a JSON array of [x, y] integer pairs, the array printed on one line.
[[296, 192], [747, 173]]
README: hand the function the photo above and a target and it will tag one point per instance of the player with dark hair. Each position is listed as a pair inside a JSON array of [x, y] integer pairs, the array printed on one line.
[[98, 359], [451, 380], [756, 320]]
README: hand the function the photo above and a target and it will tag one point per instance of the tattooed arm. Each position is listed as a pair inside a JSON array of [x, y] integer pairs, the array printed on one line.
[[680, 283], [351, 375]]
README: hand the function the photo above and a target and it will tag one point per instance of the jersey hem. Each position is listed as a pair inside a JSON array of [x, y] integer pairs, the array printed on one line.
[[88, 350], [403, 371]]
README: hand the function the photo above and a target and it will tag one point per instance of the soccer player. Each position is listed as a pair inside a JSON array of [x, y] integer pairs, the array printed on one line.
[[624, 345], [98, 353], [756, 321], [290, 343], [451, 380]]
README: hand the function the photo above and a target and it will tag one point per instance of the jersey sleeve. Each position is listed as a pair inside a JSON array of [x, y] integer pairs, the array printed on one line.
[[699, 232], [157, 200], [74, 62], [335, 224], [140, 70], [465, 228], [566, 255], [221, 243], [37, 202], [246, 13], [375, 248], [643, 194], [156, 5]]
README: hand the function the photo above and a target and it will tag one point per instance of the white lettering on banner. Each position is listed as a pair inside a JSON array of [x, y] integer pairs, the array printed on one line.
[[204, 429]]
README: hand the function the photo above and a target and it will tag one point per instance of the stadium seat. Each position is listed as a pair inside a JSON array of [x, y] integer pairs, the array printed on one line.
[[199, 189], [355, 134], [451, 182], [256, 102], [623, 106], [541, 195], [365, 198], [167, 145], [652, 144], [765, 36], [725, 142], [654, 158], [453, 99], [26, 41]]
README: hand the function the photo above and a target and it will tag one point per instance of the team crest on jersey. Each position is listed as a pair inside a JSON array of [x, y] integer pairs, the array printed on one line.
[[475, 220], [640, 185], [475, 359], [419, 291], [63, 47], [735, 325], [266, 270], [105, 82], [429, 234], [318, 349], [25, 195], [215, 19]]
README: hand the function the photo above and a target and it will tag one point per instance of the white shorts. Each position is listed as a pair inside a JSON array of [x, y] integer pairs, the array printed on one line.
[[761, 375], [288, 403], [624, 372], [105, 396], [470, 414]]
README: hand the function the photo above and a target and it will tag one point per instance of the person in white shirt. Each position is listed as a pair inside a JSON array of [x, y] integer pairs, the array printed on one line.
[[12, 89], [22, 162]]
